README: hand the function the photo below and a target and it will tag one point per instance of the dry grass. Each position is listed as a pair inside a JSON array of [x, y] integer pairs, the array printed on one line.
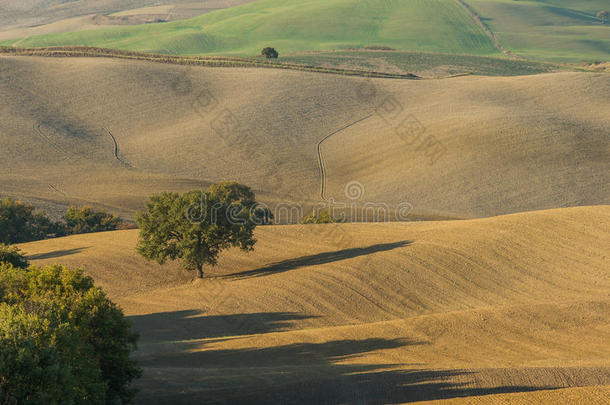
[[512, 144], [509, 309]]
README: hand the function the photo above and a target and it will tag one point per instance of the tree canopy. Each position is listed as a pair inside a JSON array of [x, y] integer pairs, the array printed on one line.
[[87, 219], [196, 226], [62, 341], [13, 256], [19, 222], [270, 53]]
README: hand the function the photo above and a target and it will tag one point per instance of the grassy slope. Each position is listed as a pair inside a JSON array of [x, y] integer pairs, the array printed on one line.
[[385, 313], [512, 144], [297, 25], [560, 30]]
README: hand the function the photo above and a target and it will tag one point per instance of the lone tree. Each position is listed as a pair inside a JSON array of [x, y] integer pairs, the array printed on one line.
[[196, 226], [270, 53], [603, 15]]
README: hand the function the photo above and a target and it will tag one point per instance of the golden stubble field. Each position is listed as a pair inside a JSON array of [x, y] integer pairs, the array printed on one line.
[[509, 309], [110, 132]]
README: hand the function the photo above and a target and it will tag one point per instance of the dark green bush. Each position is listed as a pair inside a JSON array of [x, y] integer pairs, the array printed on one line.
[[45, 361], [62, 341], [19, 222], [322, 217], [12, 255], [270, 53], [87, 219]]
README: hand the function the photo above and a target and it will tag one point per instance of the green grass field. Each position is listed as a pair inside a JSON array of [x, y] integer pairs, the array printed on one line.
[[298, 25], [552, 30], [557, 30]]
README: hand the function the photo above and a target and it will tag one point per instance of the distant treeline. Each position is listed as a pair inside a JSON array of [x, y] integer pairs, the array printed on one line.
[[21, 222]]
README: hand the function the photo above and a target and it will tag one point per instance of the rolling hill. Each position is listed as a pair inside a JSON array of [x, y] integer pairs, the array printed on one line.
[[557, 30], [297, 25], [511, 308], [48, 13], [111, 132]]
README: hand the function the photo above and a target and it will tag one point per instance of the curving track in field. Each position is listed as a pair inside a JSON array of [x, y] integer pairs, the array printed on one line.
[[322, 161]]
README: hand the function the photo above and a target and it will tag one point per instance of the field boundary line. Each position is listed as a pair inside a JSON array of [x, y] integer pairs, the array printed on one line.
[[488, 31], [209, 61]]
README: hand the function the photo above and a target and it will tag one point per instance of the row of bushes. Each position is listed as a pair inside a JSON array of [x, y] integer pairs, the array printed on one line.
[[20, 222]]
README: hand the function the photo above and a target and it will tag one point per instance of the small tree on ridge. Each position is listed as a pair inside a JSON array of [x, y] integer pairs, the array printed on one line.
[[270, 53]]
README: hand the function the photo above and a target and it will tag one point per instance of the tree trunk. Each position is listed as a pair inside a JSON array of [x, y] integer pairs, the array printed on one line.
[[200, 272]]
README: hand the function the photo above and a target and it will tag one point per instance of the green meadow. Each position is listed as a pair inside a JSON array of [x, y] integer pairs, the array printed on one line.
[[551, 30], [298, 25], [556, 30]]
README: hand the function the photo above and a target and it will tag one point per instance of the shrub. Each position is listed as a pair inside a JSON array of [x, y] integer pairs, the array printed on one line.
[[263, 216], [603, 15], [19, 222], [86, 220], [62, 340], [269, 53], [12, 255], [323, 217]]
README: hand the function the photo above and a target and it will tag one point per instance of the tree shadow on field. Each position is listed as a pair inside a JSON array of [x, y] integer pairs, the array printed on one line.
[[192, 325], [57, 253], [329, 372], [318, 259]]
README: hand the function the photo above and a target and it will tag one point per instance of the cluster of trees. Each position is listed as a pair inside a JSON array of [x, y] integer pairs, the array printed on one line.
[[62, 341], [603, 16], [21, 222]]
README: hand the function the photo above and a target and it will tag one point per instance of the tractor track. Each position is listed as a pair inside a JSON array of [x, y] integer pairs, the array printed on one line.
[[116, 149], [322, 161]]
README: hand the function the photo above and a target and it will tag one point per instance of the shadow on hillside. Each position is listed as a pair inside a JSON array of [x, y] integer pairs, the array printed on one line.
[[317, 259], [289, 356], [57, 253], [191, 324], [298, 373]]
